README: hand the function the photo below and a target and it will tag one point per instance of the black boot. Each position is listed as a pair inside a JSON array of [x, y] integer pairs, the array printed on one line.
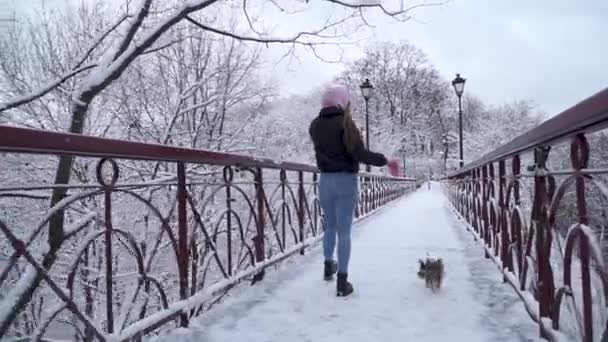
[[330, 268], [344, 288]]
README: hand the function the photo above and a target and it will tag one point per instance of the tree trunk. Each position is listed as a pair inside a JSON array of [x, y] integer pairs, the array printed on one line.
[[56, 221]]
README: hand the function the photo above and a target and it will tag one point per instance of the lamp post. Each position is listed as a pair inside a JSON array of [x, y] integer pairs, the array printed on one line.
[[366, 91], [458, 84]]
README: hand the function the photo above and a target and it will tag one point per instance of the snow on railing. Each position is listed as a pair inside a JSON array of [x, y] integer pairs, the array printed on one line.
[[556, 266], [163, 234]]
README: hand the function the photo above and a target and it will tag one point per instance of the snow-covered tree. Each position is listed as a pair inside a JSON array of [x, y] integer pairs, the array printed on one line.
[[178, 72]]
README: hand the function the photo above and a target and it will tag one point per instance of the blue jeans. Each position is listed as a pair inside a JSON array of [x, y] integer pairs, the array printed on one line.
[[338, 194]]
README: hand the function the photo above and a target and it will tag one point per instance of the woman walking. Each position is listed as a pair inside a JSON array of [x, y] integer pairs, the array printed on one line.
[[339, 150]]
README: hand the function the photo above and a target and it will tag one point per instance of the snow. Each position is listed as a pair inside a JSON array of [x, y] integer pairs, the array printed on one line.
[[108, 67], [57, 207], [572, 311], [596, 249], [390, 303], [27, 194], [203, 296], [529, 302], [9, 302], [38, 334], [80, 224]]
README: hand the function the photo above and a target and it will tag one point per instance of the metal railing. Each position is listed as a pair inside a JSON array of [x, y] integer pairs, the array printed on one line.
[[540, 223], [160, 237]]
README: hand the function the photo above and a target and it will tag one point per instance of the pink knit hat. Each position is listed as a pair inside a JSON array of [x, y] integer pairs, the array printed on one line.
[[335, 95]]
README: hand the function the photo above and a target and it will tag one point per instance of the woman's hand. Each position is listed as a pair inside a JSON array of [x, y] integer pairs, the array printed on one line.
[[393, 168]]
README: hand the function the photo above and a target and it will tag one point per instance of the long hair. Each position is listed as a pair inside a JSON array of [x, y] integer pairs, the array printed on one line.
[[351, 132]]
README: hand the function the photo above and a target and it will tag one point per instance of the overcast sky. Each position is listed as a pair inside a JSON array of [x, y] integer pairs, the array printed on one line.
[[554, 52]]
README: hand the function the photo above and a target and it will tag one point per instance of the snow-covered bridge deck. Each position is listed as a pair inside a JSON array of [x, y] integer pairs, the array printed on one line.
[[390, 303]]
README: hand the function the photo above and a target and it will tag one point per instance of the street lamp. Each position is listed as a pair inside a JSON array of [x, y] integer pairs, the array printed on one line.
[[458, 84], [366, 91]]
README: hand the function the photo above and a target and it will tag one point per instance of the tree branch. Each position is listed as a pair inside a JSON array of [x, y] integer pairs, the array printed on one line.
[[394, 14], [291, 40], [77, 69], [103, 77], [166, 45], [283, 9], [141, 15], [21, 100], [249, 21], [99, 40]]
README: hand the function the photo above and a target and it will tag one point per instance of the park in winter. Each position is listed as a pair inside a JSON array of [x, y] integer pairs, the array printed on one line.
[[303, 170]]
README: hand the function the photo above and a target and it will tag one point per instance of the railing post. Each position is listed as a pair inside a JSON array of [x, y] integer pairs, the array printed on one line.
[[283, 177], [381, 194], [376, 193], [484, 208], [469, 192], [301, 207], [467, 182], [480, 199], [471, 197], [182, 255], [228, 178], [378, 189], [492, 232], [385, 195], [372, 195], [516, 169], [579, 154], [366, 196], [516, 232], [261, 222], [502, 216], [539, 215], [107, 189], [476, 207], [463, 195]]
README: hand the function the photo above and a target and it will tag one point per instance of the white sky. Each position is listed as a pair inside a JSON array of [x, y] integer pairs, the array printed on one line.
[[553, 52]]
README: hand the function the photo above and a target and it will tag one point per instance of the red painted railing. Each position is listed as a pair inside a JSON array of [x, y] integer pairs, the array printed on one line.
[[161, 236], [538, 236]]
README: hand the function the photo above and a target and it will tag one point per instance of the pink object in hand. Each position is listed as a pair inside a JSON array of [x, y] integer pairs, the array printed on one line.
[[393, 168]]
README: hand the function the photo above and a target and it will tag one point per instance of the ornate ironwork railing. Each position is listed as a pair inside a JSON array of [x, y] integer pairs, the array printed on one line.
[[160, 236], [545, 224]]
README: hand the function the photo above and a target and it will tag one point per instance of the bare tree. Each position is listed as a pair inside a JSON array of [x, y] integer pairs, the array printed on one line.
[[105, 50], [409, 95]]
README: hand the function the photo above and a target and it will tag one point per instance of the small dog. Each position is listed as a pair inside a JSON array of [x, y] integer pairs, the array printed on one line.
[[432, 271]]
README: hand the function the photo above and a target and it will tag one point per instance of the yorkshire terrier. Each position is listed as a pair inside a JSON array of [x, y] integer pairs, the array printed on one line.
[[432, 271]]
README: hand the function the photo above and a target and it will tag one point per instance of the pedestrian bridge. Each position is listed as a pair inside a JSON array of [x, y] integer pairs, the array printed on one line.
[[154, 242], [390, 303]]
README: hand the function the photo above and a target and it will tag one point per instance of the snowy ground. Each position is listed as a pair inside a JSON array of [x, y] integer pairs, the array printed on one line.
[[390, 303]]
